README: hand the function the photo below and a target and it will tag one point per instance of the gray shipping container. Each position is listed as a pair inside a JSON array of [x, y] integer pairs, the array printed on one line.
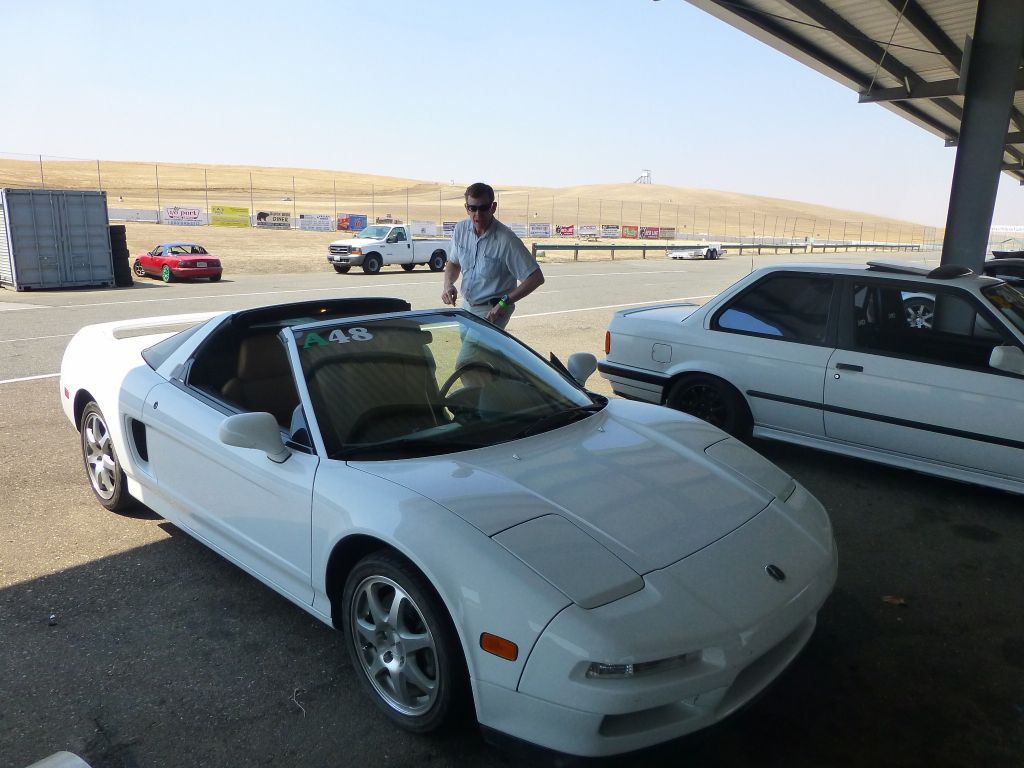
[[54, 238]]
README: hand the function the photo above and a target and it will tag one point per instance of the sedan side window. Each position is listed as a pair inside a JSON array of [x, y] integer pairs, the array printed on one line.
[[935, 327], [790, 307]]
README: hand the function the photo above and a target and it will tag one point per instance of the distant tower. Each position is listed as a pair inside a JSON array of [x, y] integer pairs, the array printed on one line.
[[644, 177]]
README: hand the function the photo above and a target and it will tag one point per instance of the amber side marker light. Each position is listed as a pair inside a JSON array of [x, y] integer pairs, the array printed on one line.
[[607, 342], [499, 646]]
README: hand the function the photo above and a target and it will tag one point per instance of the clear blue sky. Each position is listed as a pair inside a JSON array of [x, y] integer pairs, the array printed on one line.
[[532, 92]]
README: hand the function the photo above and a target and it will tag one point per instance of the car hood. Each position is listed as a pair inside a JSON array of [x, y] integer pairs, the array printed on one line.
[[633, 477], [358, 242]]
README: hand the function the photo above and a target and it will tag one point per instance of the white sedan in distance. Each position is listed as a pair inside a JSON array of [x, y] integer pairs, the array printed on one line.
[[589, 575], [913, 367]]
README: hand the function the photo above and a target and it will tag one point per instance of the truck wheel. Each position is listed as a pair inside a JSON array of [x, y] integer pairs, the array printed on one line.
[[714, 254], [437, 261], [371, 264], [408, 267], [341, 269]]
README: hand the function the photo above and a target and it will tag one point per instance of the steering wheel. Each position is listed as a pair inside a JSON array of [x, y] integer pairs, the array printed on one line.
[[461, 371]]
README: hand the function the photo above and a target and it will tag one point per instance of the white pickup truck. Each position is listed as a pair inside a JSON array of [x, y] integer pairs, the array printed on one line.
[[705, 251], [381, 244]]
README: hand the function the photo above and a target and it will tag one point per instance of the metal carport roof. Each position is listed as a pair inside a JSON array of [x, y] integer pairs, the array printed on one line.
[[910, 56]]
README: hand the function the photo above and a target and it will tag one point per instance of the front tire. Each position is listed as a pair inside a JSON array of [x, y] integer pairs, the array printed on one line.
[[342, 269], [165, 274], [372, 264], [402, 645], [713, 400], [437, 261], [138, 269], [101, 465]]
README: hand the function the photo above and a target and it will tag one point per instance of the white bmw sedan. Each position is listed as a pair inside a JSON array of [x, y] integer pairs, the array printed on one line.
[[592, 576], [895, 363]]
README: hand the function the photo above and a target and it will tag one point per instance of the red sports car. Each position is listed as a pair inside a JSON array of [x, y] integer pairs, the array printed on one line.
[[175, 261]]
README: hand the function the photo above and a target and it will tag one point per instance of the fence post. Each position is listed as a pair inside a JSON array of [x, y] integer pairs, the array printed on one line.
[[206, 186], [156, 170], [252, 205], [42, 181], [99, 179], [293, 201]]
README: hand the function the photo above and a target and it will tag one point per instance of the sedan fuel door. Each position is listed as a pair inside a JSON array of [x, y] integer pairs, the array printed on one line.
[[919, 384], [253, 508]]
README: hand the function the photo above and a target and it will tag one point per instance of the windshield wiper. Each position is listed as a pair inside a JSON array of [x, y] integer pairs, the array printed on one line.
[[559, 419]]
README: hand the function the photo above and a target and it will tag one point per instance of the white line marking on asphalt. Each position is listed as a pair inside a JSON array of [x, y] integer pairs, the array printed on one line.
[[614, 306], [36, 338], [30, 378]]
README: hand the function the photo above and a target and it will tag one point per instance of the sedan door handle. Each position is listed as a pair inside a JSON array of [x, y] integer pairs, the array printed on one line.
[[849, 367]]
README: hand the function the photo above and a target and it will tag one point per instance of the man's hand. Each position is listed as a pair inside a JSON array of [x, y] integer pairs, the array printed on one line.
[[497, 312], [449, 295]]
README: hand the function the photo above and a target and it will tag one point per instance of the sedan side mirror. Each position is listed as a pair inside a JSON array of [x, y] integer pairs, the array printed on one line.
[[581, 366], [255, 430], [1007, 358]]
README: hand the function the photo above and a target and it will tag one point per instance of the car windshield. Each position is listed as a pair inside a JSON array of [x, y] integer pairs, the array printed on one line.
[[429, 383], [375, 232], [1008, 301]]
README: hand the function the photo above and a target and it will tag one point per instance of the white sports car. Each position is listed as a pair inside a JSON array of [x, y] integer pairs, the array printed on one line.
[[592, 576], [914, 367]]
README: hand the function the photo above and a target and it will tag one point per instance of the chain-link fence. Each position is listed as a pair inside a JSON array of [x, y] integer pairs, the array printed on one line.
[[145, 192]]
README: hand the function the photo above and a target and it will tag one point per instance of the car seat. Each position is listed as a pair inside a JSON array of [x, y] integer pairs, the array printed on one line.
[[263, 381]]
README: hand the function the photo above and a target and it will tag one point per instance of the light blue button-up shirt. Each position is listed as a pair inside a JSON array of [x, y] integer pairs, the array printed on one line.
[[492, 263]]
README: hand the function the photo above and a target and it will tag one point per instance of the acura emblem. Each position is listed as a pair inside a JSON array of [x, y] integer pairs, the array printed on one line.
[[775, 572]]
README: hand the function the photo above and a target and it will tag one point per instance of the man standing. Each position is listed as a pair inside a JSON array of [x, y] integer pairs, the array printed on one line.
[[497, 269]]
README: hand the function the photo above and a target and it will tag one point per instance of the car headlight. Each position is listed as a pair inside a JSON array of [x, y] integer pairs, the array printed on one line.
[[356, 251], [753, 466]]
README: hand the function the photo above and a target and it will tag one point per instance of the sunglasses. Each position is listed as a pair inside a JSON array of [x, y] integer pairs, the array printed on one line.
[[475, 208]]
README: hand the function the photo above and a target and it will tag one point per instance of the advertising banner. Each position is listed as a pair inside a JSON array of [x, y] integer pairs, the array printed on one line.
[[650, 233], [273, 220], [539, 230], [352, 222], [229, 216], [565, 230], [316, 222], [609, 230], [428, 228], [668, 233], [518, 227], [630, 231], [448, 228], [588, 230], [182, 216]]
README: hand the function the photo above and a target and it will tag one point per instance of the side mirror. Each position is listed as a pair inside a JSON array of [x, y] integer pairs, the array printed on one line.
[[255, 430], [1007, 358], [581, 366]]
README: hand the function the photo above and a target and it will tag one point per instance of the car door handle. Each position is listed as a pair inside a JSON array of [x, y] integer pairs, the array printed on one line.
[[849, 367]]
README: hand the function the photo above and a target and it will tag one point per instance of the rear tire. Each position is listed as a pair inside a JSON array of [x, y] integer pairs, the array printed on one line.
[[106, 478], [342, 269], [713, 400], [165, 274], [437, 261], [372, 264], [215, 278]]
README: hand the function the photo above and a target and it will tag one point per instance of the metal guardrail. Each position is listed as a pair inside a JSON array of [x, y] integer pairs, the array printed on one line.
[[728, 247]]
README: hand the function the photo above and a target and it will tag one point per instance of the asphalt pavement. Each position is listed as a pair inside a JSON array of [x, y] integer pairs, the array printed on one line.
[[129, 643]]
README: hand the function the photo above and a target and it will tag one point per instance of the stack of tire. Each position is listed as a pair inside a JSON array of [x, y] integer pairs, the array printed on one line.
[[119, 250]]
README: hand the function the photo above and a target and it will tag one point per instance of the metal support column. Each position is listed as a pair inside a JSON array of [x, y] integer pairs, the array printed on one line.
[[991, 77]]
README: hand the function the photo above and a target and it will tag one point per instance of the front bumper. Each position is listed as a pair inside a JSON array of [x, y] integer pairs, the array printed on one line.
[[350, 260], [738, 627]]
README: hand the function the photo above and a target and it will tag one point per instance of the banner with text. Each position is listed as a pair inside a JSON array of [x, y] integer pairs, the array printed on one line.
[[668, 233], [518, 227], [273, 220], [609, 230], [448, 228], [631, 232], [133, 214], [539, 230], [650, 233], [229, 216], [182, 216], [565, 230], [352, 222], [588, 230], [428, 228], [316, 222]]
